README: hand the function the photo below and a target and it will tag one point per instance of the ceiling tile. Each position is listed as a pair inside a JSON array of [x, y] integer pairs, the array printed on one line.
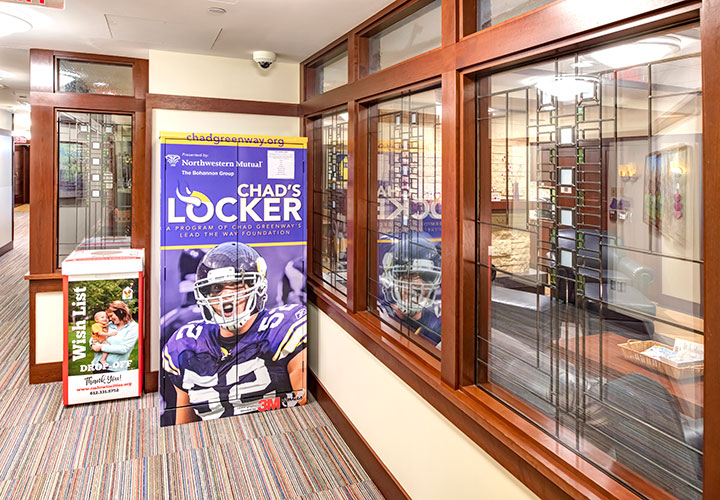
[[159, 33]]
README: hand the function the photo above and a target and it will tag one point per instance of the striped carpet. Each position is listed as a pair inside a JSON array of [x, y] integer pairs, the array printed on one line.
[[117, 450]]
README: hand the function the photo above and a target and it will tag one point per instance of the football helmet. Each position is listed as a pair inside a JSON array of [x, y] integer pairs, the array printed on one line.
[[188, 263], [236, 265], [411, 274]]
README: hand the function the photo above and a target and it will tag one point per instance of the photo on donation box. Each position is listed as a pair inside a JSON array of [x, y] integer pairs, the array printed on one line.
[[233, 316], [103, 331]]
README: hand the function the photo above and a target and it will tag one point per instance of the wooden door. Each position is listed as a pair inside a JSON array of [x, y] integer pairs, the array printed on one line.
[[21, 174]]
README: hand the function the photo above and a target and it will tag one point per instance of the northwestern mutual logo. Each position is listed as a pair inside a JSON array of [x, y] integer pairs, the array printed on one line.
[[172, 159]]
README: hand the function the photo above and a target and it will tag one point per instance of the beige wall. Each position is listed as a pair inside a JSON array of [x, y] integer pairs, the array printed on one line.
[[6, 121], [6, 179], [425, 452], [48, 327], [223, 77]]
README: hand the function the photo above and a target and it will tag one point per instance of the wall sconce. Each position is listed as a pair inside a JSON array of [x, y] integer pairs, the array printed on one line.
[[628, 172]]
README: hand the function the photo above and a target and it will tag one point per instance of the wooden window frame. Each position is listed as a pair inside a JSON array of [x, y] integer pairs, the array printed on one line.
[[85, 58], [539, 461], [309, 125], [425, 354], [44, 273], [309, 70], [404, 10], [56, 145]]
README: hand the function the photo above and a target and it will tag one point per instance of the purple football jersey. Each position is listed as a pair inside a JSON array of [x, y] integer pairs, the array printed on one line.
[[221, 376]]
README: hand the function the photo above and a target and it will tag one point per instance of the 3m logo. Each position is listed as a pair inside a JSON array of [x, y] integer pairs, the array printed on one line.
[[269, 404], [172, 159]]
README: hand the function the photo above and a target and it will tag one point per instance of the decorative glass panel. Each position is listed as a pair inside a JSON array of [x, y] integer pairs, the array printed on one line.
[[404, 215], [94, 78], [412, 36], [94, 181], [330, 199], [590, 254], [492, 12]]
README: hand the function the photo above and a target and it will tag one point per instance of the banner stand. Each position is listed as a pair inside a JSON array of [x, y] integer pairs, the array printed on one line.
[[233, 298]]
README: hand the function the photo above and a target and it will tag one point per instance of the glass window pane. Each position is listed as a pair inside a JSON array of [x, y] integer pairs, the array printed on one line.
[[330, 198], [332, 74], [590, 256], [412, 36], [404, 215], [95, 78], [492, 12], [94, 181]]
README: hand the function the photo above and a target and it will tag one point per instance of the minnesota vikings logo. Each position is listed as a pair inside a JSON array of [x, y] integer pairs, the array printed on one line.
[[172, 159]]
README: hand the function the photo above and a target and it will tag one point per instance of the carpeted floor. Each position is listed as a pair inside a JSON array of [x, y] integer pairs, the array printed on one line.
[[117, 450]]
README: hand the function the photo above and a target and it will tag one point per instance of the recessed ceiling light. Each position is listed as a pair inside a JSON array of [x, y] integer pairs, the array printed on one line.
[[216, 10], [11, 24]]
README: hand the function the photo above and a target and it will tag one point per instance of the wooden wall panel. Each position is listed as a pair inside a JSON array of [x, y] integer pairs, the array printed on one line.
[[212, 104], [46, 372], [42, 77], [467, 230], [450, 235], [42, 189], [357, 207], [710, 39]]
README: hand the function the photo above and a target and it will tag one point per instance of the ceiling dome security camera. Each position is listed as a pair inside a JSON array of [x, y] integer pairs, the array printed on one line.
[[264, 58]]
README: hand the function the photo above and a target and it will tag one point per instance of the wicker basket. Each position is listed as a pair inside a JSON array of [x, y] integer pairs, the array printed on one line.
[[632, 351]]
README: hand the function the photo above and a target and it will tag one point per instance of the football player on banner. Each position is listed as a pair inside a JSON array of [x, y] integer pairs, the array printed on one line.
[[240, 353], [409, 284]]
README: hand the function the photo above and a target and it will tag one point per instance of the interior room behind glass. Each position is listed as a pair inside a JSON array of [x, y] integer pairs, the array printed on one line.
[[94, 196], [330, 144], [589, 263]]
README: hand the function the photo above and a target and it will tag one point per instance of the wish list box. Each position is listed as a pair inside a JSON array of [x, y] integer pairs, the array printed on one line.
[[103, 316]]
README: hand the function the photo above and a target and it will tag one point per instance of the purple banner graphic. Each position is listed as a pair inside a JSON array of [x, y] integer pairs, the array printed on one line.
[[233, 324]]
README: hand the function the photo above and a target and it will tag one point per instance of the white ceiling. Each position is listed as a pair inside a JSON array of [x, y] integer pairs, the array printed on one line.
[[294, 29]]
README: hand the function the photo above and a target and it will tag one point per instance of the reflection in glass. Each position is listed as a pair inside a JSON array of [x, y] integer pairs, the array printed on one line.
[[594, 278], [94, 78], [492, 12], [330, 207], [404, 270], [94, 181], [412, 36]]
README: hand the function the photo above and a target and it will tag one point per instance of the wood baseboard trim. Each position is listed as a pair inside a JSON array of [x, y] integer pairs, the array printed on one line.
[[6, 248], [380, 475], [46, 372], [150, 381]]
